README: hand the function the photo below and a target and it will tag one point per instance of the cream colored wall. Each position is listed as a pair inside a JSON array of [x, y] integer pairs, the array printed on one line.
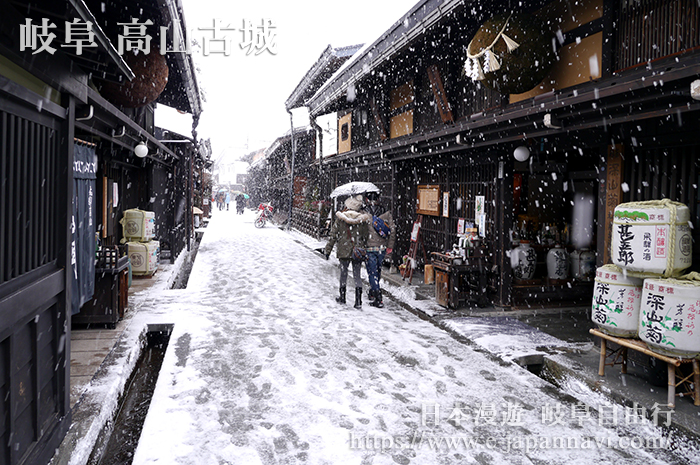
[[345, 145]]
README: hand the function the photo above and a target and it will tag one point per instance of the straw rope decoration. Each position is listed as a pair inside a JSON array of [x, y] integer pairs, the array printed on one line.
[[671, 259], [473, 67], [617, 269]]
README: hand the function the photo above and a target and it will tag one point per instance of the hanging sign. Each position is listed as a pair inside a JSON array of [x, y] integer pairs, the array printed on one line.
[[480, 215], [428, 200]]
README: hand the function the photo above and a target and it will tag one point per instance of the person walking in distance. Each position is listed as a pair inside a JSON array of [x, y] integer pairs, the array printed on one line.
[[350, 229], [380, 243]]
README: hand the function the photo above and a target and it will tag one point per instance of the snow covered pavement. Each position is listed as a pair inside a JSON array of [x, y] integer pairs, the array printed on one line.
[[264, 367]]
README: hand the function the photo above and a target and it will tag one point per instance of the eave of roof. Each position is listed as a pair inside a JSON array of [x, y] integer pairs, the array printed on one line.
[[186, 80], [413, 25], [328, 63]]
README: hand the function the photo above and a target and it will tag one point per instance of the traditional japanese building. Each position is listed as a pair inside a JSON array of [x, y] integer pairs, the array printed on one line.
[[531, 120], [78, 148]]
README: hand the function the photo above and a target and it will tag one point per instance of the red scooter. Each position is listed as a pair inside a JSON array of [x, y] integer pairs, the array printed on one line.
[[264, 214]]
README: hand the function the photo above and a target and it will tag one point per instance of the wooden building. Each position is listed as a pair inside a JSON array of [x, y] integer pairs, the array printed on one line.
[[67, 171], [602, 95], [270, 175]]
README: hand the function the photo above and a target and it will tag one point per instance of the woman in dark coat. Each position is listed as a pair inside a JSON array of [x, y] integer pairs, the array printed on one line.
[[350, 228]]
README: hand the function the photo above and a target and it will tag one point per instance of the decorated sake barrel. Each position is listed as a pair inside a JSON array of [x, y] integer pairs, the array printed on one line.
[[669, 319], [138, 225], [616, 299], [652, 237]]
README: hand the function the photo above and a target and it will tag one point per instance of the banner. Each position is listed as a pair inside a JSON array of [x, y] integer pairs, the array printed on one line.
[[83, 226]]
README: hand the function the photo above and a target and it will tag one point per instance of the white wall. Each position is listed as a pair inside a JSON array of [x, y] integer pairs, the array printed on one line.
[[329, 126]]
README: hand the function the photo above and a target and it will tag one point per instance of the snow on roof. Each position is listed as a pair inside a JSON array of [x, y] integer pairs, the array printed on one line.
[[407, 29]]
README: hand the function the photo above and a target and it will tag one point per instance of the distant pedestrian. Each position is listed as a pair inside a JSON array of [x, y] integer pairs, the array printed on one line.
[[240, 203], [349, 229], [380, 243], [220, 200], [228, 199]]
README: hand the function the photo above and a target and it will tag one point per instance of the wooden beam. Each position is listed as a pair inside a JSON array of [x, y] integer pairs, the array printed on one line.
[[439, 94], [378, 119]]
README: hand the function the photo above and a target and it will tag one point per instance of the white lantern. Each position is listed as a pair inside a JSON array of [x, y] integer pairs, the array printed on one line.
[[521, 153]]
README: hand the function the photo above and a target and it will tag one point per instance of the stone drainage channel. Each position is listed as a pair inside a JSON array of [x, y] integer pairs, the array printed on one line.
[[119, 438]]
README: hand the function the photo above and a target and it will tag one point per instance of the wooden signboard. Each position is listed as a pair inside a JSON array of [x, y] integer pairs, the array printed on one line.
[[428, 200], [613, 193], [416, 241]]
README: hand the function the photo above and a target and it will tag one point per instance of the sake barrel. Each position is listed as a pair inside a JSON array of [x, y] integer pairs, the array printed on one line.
[[616, 299], [652, 237], [669, 319], [138, 225], [144, 257]]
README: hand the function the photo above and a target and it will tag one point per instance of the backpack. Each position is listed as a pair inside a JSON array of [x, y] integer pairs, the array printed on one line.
[[381, 227]]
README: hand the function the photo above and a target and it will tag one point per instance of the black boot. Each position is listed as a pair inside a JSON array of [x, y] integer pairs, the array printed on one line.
[[358, 297], [370, 295], [377, 302], [341, 298]]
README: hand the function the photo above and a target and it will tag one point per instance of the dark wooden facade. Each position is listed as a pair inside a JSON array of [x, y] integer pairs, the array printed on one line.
[[622, 84], [47, 105], [34, 256], [269, 178]]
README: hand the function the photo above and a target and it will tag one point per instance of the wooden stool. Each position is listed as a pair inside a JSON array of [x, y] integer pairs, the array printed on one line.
[[675, 377]]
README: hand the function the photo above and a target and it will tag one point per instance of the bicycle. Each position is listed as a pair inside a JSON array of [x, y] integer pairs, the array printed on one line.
[[264, 213]]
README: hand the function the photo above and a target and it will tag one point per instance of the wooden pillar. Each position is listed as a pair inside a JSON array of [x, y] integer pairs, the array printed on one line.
[[504, 225], [65, 212], [609, 197]]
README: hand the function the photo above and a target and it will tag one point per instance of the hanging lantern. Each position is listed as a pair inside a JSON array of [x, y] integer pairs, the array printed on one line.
[[151, 77], [510, 54]]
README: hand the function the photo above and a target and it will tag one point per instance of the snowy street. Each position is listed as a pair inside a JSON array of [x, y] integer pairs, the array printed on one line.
[[264, 367]]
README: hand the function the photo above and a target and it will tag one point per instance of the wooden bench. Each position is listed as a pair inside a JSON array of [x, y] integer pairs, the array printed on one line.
[[675, 376]]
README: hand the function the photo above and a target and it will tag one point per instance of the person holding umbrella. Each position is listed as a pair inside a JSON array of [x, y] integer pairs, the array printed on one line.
[[240, 203], [350, 229], [380, 242]]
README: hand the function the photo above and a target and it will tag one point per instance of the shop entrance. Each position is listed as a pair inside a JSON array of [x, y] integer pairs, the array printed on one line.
[[553, 241]]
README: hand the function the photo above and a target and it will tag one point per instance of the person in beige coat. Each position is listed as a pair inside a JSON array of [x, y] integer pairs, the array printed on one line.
[[350, 228]]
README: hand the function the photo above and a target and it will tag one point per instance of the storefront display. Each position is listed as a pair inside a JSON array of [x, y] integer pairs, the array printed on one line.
[[523, 261], [583, 264], [144, 257], [652, 237], [557, 263], [616, 302], [668, 315], [138, 225]]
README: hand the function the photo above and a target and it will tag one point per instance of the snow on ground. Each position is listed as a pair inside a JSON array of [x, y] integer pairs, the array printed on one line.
[[507, 337], [264, 367]]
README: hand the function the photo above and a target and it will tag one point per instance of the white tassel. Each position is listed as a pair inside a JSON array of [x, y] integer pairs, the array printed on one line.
[[494, 65], [469, 68], [480, 73], [510, 43]]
